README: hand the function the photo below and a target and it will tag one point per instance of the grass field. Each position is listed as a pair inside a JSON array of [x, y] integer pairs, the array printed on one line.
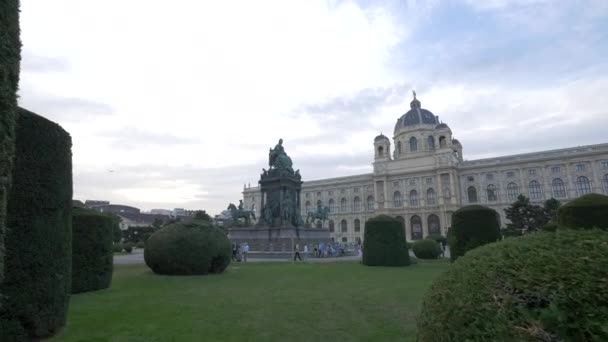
[[255, 302]]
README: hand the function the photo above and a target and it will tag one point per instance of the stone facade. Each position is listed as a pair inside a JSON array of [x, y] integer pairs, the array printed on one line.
[[425, 179]]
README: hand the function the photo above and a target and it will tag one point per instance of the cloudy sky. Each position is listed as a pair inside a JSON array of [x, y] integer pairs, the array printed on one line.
[[182, 99]]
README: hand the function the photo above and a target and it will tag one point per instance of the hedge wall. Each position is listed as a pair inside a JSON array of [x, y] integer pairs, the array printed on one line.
[[472, 226], [38, 242], [384, 242], [585, 212], [92, 253], [546, 286], [10, 56]]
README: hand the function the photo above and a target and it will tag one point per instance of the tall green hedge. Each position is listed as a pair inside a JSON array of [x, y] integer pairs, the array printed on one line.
[[546, 286], [384, 242], [10, 57], [92, 254], [472, 226], [39, 236], [585, 212]]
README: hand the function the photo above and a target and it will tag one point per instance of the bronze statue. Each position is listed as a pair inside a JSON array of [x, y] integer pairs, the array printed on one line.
[[239, 212]]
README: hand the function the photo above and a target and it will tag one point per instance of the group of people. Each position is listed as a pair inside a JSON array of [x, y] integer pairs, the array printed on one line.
[[240, 251]]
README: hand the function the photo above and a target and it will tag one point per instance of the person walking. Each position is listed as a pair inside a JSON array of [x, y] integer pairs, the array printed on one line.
[[245, 251], [234, 250], [296, 249]]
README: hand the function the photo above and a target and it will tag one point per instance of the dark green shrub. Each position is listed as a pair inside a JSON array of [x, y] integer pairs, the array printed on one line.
[[128, 247], [141, 244], [438, 237], [92, 250], [550, 227], [183, 249], [117, 247], [585, 212], [383, 243], [409, 245], [537, 287], [472, 226], [427, 249], [38, 260], [10, 57]]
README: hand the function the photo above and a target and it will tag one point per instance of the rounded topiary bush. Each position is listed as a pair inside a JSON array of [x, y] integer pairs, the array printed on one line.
[[184, 249], [117, 247], [128, 247], [585, 212], [92, 250], [427, 249], [438, 237], [547, 286], [38, 263], [472, 226], [383, 243]]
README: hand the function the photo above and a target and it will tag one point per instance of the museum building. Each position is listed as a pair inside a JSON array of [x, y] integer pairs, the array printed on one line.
[[424, 179]]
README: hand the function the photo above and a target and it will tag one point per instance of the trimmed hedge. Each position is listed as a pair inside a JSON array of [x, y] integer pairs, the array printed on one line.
[[472, 226], [383, 242], [185, 249], [585, 212], [427, 249], [92, 252], [537, 287], [39, 239], [438, 237], [10, 57]]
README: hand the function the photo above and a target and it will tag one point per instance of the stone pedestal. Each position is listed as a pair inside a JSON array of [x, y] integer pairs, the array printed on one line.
[[279, 239]]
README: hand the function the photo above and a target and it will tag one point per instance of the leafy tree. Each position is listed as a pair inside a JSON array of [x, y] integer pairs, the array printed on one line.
[[158, 223], [550, 209], [202, 215], [524, 216]]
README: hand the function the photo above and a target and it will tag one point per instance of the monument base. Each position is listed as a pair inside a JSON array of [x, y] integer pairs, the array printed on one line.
[[280, 239]]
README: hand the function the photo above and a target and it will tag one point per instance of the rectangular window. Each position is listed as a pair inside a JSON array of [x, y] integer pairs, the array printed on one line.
[[319, 194], [308, 195], [490, 176], [510, 174], [580, 167], [395, 184], [605, 164], [342, 191], [412, 182], [429, 180], [555, 169], [532, 172], [330, 192], [470, 178], [356, 190]]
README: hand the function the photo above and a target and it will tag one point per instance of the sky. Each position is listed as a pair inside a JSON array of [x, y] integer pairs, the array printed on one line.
[[175, 104]]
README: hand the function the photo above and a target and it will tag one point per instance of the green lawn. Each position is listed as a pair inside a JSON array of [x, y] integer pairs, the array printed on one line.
[[255, 301]]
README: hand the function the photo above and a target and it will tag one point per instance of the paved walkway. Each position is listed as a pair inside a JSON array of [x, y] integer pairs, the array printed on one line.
[[137, 257]]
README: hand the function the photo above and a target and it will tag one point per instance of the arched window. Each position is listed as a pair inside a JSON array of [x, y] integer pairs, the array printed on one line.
[[512, 191], [370, 203], [357, 225], [332, 206], [413, 144], [606, 183], [430, 196], [472, 194], [343, 226], [398, 147], [357, 203], [582, 185], [442, 142], [343, 205], [331, 226], [535, 190], [380, 151], [416, 224], [307, 207], [433, 223], [431, 142], [491, 192], [397, 199], [413, 198], [558, 188]]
